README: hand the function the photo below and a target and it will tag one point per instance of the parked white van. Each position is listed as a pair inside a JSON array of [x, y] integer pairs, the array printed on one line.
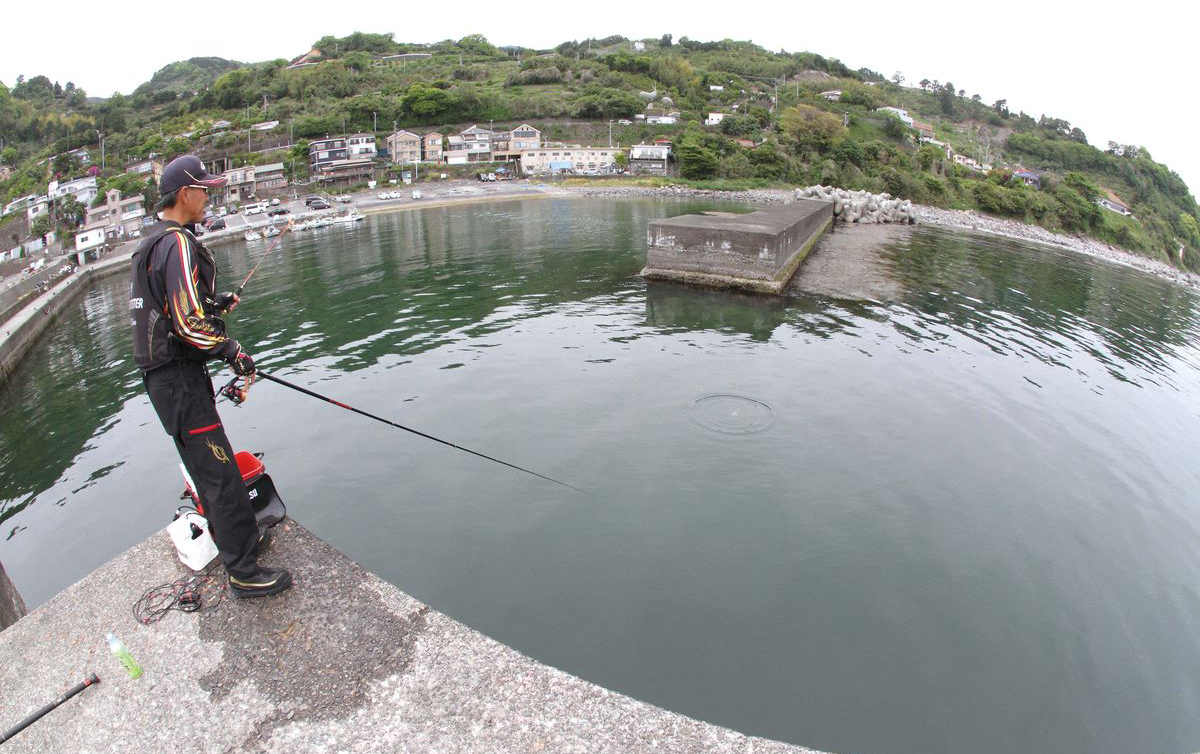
[[254, 209]]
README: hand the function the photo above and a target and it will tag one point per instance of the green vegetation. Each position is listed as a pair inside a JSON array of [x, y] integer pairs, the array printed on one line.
[[780, 129]]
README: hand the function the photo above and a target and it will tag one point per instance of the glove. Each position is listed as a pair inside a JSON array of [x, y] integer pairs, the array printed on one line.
[[242, 363], [225, 302]]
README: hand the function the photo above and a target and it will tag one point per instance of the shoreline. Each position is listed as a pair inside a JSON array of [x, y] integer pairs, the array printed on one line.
[[949, 218]]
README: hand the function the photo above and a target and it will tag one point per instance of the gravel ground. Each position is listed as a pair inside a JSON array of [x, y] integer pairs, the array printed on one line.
[[952, 218]]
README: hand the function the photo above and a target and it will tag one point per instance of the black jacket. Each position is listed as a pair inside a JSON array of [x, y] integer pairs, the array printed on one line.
[[172, 287]]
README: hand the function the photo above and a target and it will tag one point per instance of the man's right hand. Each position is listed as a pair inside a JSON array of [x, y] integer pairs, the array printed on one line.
[[242, 363]]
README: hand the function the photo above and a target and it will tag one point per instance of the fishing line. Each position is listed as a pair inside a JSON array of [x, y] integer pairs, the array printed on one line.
[[230, 391]]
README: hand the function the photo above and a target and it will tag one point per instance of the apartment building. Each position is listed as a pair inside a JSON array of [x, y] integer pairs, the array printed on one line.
[[570, 159], [324, 152], [119, 217], [405, 146], [431, 147], [650, 158]]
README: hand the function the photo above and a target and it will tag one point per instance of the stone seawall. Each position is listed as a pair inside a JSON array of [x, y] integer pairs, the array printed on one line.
[[21, 331]]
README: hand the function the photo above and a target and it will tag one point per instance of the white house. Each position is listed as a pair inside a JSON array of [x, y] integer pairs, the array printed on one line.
[[900, 113], [715, 88], [833, 95], [361, 146], [40, 206], [661, 120], [16, 205], [639, 46], [714, 119], [83, 189], [89, 239]]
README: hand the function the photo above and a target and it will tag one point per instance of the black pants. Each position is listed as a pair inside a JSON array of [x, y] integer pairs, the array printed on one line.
[[183, 396]]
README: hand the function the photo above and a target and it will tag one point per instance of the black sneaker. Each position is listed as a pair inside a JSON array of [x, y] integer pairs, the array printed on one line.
[[264, 581]]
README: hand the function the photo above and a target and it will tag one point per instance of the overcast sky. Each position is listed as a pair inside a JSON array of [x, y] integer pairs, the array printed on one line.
[[1119, 71]]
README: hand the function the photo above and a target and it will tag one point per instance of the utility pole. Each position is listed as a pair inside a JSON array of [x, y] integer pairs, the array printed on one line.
[[610, 134], [374, 122]]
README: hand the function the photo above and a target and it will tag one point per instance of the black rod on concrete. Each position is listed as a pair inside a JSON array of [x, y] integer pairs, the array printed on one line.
[[90, 680], [339, 404]]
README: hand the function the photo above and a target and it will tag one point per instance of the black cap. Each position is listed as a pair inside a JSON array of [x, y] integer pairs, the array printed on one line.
[[187, 170]]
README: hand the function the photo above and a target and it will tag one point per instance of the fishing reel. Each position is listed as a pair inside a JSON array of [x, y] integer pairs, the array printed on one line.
[[236, 392]]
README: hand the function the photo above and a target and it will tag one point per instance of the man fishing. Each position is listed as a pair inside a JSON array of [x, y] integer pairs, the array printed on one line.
[[177, 328]]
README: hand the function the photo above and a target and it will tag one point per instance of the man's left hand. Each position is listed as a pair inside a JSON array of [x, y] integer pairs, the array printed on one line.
[[226, 302]]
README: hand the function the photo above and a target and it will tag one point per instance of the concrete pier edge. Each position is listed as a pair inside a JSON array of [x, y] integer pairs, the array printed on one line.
[[342, 662]]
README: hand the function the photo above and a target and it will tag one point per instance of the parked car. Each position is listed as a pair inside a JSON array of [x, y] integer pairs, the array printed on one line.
[[255, 208], [319, 203], [221, 212], [313, 198], [275, 202], [345, 199], [278, 211], [215, 223], [624, 122]]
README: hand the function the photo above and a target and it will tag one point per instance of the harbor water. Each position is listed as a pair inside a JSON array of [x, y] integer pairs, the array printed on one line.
[[941, 497]]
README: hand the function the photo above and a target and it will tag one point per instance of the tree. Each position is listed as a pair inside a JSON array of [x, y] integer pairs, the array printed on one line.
[[1001, 107], [70, 211], [621, 159], [924, 84], [813, 129], [695, 160], [425, 102], [897, 78], [41, 225], [665, 41], [946, 98], [9, 156]]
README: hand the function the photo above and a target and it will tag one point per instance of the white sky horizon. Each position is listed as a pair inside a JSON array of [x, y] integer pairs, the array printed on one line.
[[1118, 74]]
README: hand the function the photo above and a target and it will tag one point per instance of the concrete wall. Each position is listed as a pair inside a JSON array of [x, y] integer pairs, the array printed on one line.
[[759, 251]]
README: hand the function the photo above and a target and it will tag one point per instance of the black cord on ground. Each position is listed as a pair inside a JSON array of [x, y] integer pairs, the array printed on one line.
[[203, 592]]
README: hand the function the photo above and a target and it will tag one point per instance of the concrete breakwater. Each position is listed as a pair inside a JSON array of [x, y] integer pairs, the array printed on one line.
[[860, 206], [342, 662], [757, 252]]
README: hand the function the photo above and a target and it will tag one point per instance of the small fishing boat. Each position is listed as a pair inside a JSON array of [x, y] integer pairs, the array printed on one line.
[[251, 235], [348, 218], [270, 231]]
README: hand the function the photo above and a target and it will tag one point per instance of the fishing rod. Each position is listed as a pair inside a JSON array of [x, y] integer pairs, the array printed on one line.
[[266, 254], [90, 680], [231, 391]]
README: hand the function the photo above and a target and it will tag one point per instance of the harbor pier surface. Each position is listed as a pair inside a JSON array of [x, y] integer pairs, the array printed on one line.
[[342, 662], [758, 252]]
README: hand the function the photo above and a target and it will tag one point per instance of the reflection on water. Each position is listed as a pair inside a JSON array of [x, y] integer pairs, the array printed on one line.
[[950, 505]]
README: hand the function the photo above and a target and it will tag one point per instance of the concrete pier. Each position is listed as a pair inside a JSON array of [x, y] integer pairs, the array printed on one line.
[[342, 662], [757, 252]]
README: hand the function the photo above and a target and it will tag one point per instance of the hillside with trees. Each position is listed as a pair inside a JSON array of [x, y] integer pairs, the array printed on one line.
[[780, 130]]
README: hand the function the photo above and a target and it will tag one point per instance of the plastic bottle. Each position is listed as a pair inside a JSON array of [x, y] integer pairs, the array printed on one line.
[[130, 664]]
